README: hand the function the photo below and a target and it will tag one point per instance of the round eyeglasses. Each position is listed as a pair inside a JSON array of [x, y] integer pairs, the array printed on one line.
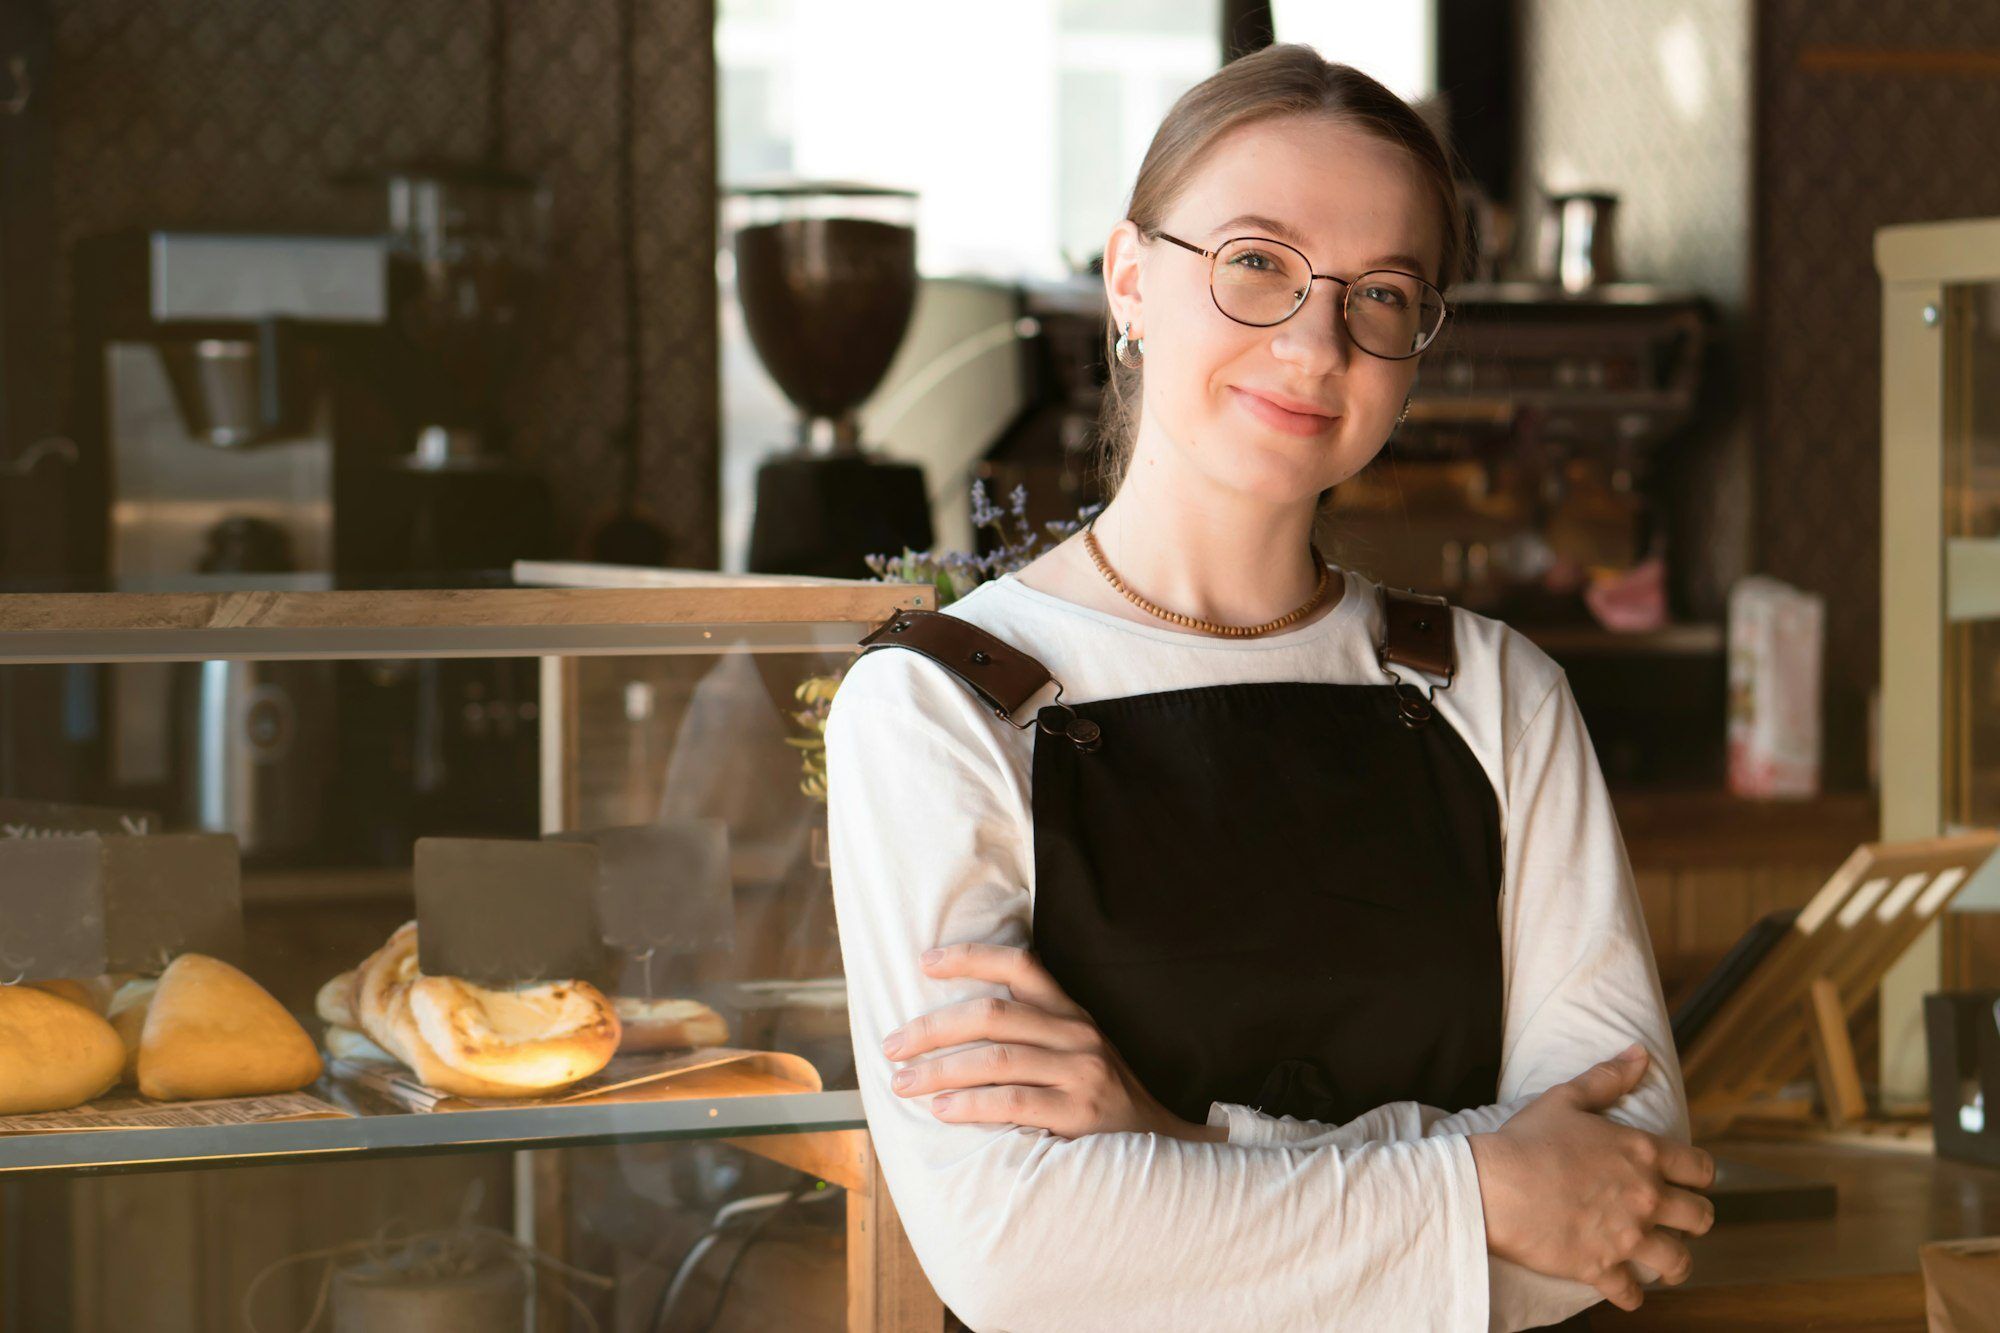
[[1257, 281]]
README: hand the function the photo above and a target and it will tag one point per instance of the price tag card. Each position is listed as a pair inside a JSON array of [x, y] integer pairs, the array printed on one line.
[[170, 894], [504, 912], [51, 908], [663, 889]]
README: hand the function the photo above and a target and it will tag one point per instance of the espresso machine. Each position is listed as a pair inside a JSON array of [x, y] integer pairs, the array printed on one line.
[[288, 410], [827, 273]]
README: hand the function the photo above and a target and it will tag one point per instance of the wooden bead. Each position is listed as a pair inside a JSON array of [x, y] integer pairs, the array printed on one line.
[[1209, 626]]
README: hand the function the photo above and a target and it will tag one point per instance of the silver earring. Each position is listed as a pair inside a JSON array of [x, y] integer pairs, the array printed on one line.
[[1404, 413], [1130, 350]]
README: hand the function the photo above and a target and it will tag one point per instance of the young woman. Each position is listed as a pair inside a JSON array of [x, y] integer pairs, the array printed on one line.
[[1298, 1001]]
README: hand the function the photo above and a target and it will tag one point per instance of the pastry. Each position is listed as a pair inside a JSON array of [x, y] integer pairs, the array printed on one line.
[[54, 1054], [480, 1041], [531, 1037], [211, 1031], [335, 1001], [659, 1025]]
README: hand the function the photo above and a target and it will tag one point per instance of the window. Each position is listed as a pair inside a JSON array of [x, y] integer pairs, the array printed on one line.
[[1020, 126]]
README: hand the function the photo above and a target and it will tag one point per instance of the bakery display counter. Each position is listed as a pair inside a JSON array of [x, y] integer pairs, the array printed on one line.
[[514, 872]]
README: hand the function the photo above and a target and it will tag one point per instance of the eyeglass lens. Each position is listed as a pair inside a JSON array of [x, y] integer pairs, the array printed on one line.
[[1261, 282]]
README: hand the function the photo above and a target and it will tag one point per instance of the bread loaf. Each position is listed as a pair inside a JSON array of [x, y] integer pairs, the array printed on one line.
[[211, 1031], [54, 1054]]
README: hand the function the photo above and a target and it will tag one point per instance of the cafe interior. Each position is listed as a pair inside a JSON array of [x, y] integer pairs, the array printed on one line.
[[450, 449]]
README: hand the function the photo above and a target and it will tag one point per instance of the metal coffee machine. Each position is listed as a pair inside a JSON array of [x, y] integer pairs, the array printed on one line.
[[251, 412], [827, 273]]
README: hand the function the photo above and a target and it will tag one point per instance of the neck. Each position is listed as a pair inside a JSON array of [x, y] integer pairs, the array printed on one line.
[[1184, 544]]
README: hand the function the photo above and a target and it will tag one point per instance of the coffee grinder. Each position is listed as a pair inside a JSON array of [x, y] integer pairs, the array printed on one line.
[[827, 273]]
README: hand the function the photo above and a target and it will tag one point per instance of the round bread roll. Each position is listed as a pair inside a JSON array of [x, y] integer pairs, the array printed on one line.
[[335, 1001], [128, 1019], [211, 1031], [54, 1054], [660, 1025]]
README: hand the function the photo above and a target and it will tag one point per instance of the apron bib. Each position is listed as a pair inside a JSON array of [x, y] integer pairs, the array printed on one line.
[[1277, 895]]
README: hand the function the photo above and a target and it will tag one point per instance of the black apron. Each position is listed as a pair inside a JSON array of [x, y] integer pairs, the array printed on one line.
[[1279, 894]]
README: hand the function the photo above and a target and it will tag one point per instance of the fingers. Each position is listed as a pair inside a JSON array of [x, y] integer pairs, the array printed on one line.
[[1017, 969], [1619, 1287], [1683, 1211], [1597, 1087], [986, 1065], [1664, 1254], [988, 1019], [1042, 1108], [1684, 1164]]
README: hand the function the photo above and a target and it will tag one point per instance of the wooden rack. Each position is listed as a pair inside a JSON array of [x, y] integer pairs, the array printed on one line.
[[1790, 1013]]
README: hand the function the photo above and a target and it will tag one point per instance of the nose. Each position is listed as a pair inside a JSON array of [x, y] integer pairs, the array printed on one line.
[[1315, 338]]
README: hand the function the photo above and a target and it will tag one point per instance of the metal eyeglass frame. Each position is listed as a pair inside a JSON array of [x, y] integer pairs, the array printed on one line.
[[1311, 277]]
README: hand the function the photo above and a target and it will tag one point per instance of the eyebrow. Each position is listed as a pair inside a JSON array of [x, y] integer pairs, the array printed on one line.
[[1280, 231]]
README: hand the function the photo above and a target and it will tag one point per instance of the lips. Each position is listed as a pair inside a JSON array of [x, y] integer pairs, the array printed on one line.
[[1300, 406], [1303, 419]]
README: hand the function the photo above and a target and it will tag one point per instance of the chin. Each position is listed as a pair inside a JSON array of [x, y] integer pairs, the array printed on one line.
[[1277, 487], [1278, 472]]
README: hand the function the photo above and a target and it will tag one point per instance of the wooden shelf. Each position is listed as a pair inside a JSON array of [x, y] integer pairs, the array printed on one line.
[[697, 614]]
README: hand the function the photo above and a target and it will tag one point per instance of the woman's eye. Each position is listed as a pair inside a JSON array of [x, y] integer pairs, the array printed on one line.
[[1388, 296], [1254, 261]]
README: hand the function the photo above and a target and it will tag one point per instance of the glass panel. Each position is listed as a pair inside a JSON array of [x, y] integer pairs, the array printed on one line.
[[613, 863]]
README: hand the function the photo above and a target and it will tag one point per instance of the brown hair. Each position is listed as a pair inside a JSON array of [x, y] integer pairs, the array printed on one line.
[[1283, 80]]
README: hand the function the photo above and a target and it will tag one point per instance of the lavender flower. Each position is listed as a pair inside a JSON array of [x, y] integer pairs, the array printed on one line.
[[955, 573]]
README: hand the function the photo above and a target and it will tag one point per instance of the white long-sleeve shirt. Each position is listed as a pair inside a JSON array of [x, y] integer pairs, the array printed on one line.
[[1290, 1224]]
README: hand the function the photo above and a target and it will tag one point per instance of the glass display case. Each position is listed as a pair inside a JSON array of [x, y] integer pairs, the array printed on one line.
[[488, 923], [1939, 725]]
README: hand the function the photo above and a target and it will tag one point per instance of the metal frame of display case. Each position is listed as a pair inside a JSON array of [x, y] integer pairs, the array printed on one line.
[[1928, 575], [581, 611]]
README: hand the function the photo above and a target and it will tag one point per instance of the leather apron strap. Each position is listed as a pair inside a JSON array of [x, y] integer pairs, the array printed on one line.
[[1416, 632]]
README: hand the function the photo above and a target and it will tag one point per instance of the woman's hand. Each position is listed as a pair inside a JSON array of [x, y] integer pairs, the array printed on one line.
[[1049, 1066], [1571, 1194]]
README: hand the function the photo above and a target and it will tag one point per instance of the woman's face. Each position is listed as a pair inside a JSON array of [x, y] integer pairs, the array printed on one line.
[[1347, 200]]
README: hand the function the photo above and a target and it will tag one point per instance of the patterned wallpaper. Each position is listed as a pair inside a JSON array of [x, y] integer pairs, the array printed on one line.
[[235, 113], [1840, 154]]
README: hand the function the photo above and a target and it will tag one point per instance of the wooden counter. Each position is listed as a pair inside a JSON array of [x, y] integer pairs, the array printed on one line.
[[1856, 1270]]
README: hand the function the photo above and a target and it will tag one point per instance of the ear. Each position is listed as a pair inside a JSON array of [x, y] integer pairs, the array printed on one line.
[[1123, 251]]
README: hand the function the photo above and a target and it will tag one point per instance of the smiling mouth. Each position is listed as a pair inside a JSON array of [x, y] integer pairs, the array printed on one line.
[[1283, 418]]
